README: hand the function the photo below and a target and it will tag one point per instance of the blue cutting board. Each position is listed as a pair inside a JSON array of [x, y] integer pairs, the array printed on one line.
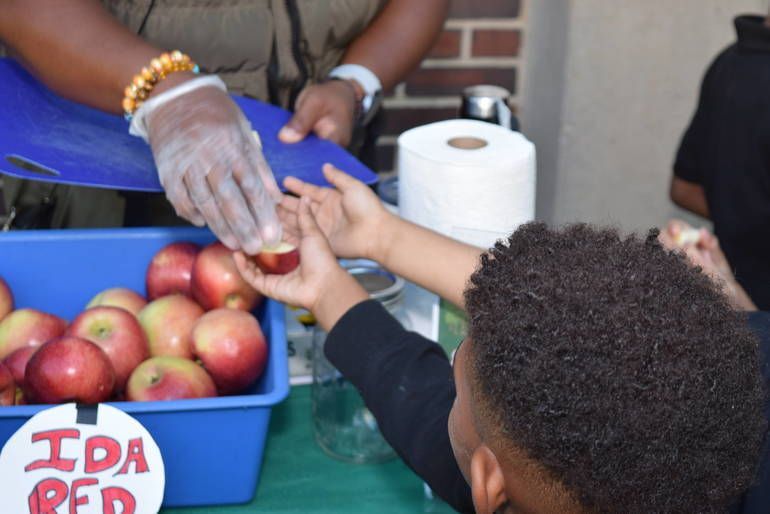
[[46, 137]]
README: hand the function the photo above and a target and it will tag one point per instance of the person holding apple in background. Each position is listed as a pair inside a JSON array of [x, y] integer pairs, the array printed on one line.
[[581, 348], [703, 250], [326, 60], [721, 170]]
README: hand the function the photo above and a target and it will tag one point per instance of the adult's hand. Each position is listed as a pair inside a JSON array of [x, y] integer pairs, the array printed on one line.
[[326, 109], [211, 164], [702, 249]]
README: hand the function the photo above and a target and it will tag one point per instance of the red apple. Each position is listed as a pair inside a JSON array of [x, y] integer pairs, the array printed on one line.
[[28, 327], [170, 270], [168, 323], [231, 347], [169, 378], [118, 333], [121, 297], [7, 387], [217, 283], [69, 369], [6, 299], [17, 363], [278, 260]]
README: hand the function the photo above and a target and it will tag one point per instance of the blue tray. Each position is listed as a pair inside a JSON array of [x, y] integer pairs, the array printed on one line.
[[212, 447], [45, 137]]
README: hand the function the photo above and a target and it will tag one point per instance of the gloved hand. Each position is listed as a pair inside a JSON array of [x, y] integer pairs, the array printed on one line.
[[210, 163]]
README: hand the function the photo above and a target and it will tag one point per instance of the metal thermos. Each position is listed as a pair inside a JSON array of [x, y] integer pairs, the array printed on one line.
[[488, 103]]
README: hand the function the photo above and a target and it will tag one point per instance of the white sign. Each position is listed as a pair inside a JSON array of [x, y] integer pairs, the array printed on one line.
[[81, 460]]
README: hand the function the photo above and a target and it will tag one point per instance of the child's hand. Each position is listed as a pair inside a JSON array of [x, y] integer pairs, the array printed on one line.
[[303, 286], [351, 216], [319, 284]]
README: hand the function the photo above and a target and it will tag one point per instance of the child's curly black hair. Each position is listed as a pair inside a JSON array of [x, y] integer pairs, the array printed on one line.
[[619, 368]]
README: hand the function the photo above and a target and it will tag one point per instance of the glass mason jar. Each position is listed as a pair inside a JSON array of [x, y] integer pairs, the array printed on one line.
[[343, 426]]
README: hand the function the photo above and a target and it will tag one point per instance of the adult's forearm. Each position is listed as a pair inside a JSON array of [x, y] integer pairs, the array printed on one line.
[[689, 196], [398, 39], [76, 48], [437, 263]]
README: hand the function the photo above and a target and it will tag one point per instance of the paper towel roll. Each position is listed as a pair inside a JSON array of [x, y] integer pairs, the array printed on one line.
[[467, 179]]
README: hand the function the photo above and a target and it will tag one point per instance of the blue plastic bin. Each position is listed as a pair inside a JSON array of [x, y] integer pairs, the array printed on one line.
[[212, 447]]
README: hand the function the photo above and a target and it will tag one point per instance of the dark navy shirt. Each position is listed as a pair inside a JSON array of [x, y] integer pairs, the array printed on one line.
[[726, 150]]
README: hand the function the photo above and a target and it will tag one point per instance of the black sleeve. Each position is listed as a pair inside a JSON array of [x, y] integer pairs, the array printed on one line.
[[407, 383], [687, 165]]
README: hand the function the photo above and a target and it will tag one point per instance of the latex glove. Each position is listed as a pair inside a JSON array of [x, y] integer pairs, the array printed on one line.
[[351, 216], [319, 284], [326, 109], [210, 164]]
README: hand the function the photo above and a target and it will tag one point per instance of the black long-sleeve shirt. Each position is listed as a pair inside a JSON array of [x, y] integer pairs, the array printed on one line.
[[726, 150], [406, 381]]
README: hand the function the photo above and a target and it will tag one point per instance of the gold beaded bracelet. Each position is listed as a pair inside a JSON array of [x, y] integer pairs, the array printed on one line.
[[143, 83]]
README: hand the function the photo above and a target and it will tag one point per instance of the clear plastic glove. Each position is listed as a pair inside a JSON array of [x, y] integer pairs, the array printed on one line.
[[211, 164], [319, 284]]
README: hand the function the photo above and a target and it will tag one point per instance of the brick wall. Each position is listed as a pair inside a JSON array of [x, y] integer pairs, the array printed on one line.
[[480, 44]]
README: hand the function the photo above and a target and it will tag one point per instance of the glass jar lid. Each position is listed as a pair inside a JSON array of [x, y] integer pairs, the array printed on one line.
[[381, 285]]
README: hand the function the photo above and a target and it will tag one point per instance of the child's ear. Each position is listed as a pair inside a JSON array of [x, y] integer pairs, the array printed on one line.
[[487, 481]]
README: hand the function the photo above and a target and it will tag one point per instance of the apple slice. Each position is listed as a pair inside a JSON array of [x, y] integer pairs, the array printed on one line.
[[278, 260], [687, 236]]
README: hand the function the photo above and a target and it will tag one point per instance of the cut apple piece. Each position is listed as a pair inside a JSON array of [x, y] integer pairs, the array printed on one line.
[[687, 236], [278, 260]]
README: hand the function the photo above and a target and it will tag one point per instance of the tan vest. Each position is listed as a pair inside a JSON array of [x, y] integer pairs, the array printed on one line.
[[265, 49]]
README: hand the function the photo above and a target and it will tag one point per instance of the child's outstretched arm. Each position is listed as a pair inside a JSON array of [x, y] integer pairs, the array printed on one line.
[[358, 226], [405, 379]]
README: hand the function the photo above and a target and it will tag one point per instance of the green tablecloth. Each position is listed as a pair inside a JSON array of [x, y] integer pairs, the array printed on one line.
[[297, 477]]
